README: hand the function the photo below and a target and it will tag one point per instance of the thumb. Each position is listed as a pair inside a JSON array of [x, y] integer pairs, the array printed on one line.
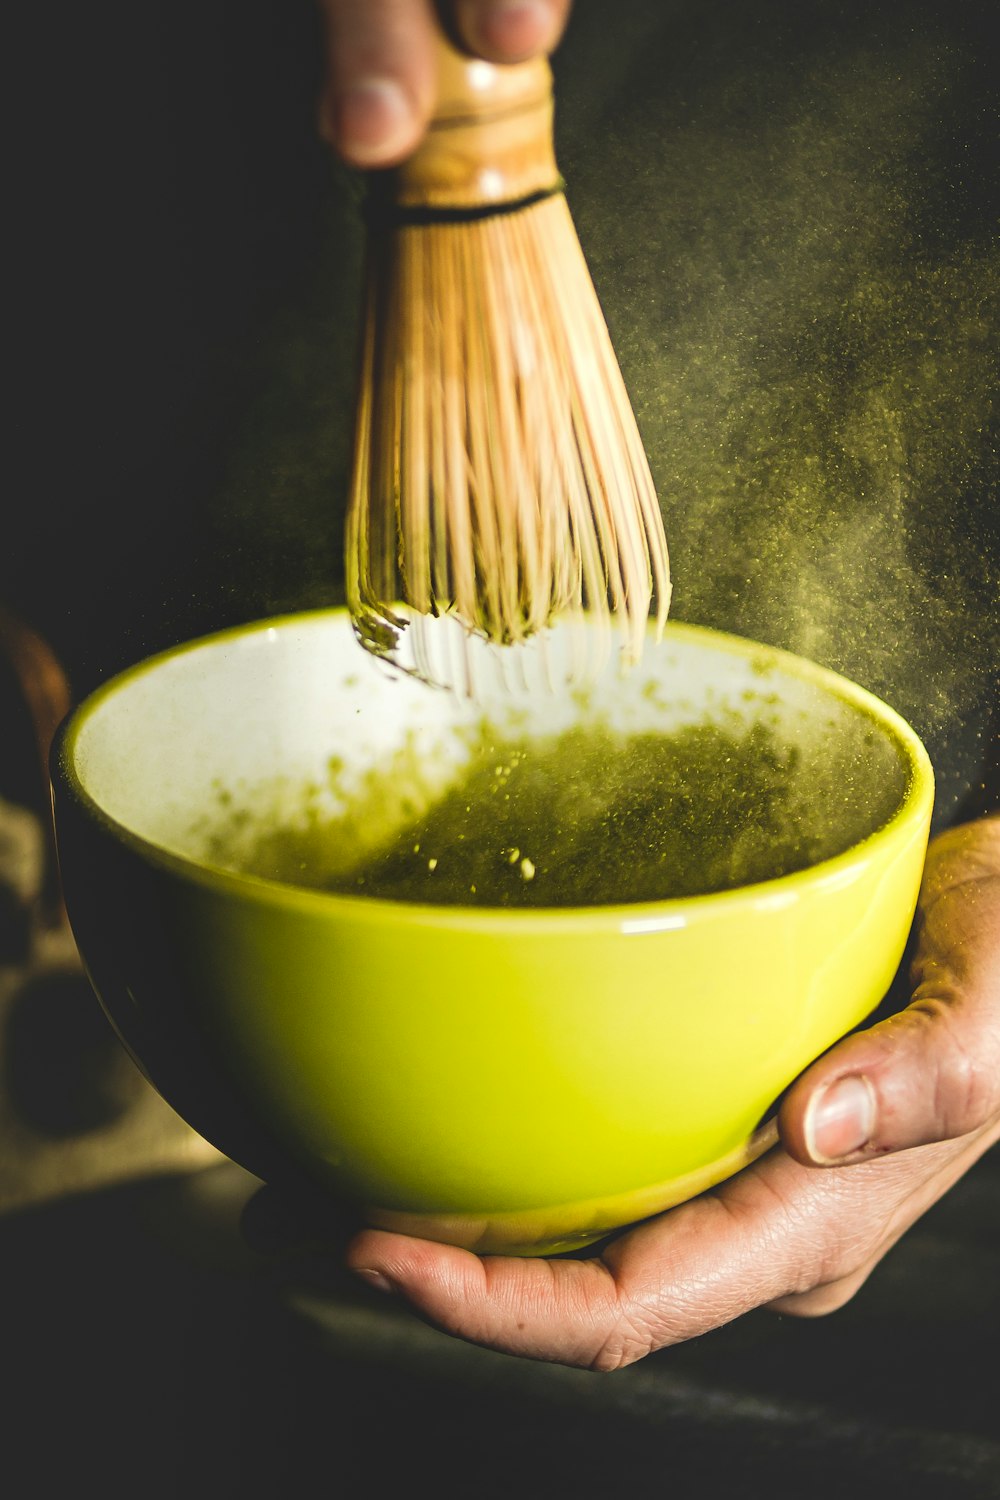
[[932, 1072]]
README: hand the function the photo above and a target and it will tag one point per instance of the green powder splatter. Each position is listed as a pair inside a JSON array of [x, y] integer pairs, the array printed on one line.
[[590, 817], [805, 305]]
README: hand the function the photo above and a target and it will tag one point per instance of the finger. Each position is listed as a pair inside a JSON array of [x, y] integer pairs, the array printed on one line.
[[555, 1310], [931, 1073], [776, 1235], [673, 1278], [928, 1074], [380, 78], [511, 30]]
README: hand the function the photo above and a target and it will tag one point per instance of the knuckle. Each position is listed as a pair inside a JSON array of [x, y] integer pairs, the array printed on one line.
[[965, 1078], [630, 1340]]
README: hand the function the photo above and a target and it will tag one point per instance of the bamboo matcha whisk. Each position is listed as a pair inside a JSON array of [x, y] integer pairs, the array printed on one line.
[[500, 483]]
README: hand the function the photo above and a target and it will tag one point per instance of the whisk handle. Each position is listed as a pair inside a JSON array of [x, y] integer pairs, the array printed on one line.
[[490, 138]]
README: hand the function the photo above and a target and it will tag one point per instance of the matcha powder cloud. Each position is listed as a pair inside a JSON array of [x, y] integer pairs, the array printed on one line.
[[808, 320]]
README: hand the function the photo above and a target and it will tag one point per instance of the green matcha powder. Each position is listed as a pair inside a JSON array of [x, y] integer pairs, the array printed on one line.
[[585, 818]]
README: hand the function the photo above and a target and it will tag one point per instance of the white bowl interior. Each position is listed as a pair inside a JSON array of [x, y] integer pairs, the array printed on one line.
[[228, 732]]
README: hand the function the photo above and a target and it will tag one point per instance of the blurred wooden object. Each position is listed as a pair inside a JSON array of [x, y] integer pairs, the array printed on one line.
[[43, 690], [75, 1112]]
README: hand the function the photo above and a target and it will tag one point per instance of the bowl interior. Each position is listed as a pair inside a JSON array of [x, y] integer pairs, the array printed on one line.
[[290, 723]]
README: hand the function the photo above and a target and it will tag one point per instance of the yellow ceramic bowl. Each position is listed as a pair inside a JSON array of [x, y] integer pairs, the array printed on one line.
[[520, 1081]]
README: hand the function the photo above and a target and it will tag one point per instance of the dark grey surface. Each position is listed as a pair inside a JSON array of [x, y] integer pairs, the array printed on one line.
[[149, 1353]]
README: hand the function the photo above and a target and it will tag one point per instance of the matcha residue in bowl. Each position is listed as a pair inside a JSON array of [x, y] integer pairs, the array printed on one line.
[[590, 817]]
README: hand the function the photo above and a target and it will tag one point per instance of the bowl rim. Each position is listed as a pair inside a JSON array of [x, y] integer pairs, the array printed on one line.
[[911, 817]]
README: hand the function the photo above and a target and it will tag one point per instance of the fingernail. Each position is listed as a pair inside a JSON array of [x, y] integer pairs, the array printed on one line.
[[840, 1119], [512, 27], [374, 120], [376, 1280]]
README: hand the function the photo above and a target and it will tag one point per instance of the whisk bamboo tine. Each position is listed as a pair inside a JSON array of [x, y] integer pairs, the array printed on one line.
[[520, 539], [544, 526], [358, 573], [414, 519]]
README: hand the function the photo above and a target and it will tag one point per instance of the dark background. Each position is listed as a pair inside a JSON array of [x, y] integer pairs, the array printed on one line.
[[790, 215]]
